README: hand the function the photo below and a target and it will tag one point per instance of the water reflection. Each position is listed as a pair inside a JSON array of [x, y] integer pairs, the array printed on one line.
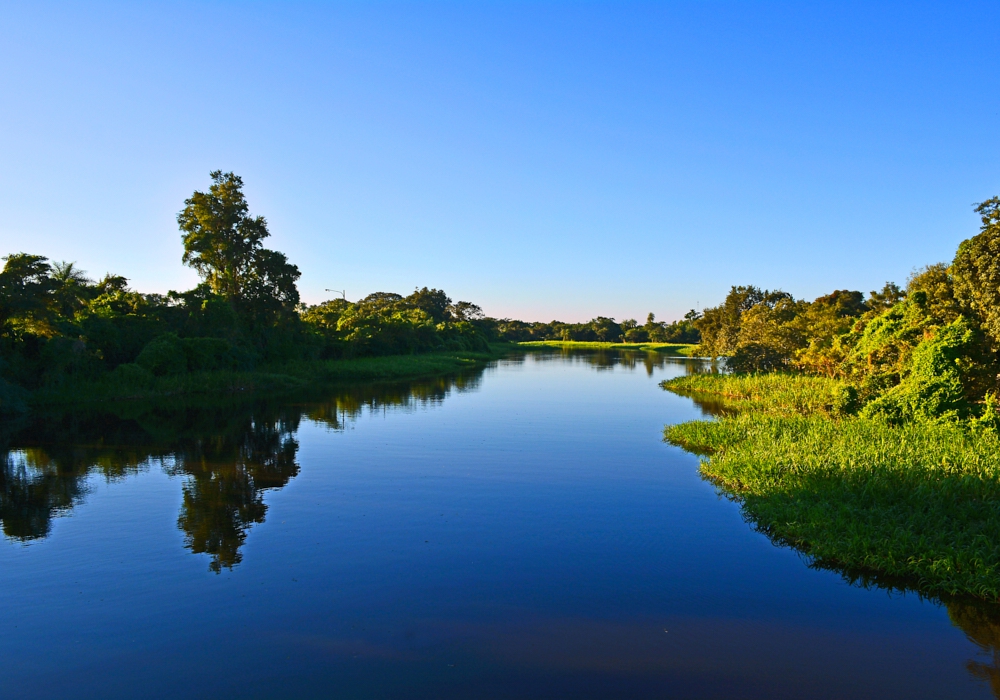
[[981, 624], [228, 453], [978, 620], [606, 359]]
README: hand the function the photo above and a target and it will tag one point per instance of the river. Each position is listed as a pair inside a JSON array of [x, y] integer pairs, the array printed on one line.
[[519, 531]]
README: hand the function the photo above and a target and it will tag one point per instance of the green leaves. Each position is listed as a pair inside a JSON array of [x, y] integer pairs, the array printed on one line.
[[976, 268], [224, 244]]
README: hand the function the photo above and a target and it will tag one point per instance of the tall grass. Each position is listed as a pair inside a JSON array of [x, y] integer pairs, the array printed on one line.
[[918, 502], [785, 394]]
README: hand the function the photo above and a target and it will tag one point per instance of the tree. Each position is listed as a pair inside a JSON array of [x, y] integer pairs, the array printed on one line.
[[26, 288], [976, 269], [223, 243], [466, 311], [890, 295], [72, 288], [434, 301], [936, 282], [606, 329], [720, 326]]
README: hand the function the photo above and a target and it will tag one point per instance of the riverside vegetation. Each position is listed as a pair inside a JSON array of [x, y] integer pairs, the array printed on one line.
[[865, 432], [67, 338]]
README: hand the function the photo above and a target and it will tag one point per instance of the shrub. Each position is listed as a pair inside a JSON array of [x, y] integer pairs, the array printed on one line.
[[164, 355]]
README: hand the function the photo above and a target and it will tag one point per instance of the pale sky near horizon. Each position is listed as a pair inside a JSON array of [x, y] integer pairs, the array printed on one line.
[[544, 160]]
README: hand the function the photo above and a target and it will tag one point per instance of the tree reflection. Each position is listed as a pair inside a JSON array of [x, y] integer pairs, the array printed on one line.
[[978, 619], [609, 358], [228, 453], [227, 476], [33, 488], [981, 624]]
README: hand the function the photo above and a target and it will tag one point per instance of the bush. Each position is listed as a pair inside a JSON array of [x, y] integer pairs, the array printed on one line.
[[933, 388], [132, 375], [213, 353], [164, 355]]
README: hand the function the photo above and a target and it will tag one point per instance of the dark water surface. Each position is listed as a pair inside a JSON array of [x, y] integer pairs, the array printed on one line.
[[518, 532]]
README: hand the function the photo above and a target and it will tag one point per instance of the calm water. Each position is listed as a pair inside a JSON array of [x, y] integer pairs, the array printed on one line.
[[519, 532]]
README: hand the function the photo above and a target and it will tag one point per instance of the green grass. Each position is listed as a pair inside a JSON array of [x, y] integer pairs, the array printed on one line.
[[785, 394], [298, 376], [679, 349], [918, 503]]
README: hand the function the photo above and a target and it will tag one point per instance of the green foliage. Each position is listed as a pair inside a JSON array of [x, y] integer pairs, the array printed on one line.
[[58, 327], [601, 329], [26, 293], [164, 355], [780, 394], [976, 269], [678, 349], [932, 388], [938, 287], [224, 244], [918, 502], [889, 464]]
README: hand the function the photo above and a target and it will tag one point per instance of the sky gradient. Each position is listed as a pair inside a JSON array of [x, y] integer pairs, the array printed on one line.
[[544, 160]]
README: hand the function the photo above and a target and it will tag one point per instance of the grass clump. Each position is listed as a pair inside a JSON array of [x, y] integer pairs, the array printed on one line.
[[917, 501], [784, 394]]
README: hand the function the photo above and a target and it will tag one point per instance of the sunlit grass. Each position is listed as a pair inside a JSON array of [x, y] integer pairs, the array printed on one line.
[[778, 393], [919, 502]]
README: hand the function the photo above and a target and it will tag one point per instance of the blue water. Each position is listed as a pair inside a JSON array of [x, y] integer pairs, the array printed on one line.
[[518, 532]]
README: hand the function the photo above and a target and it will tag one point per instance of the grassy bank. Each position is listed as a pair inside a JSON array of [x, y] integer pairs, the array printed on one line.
[[783, 394], [298, 376], [919, 502], [678, 349]]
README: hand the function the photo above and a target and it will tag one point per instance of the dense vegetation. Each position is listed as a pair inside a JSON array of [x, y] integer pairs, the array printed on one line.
[[63, 335], [865, 431], [604, 330], [685, 350], [60, 330]]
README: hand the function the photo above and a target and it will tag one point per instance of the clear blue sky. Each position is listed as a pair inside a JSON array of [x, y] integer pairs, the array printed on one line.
[[545, 160]]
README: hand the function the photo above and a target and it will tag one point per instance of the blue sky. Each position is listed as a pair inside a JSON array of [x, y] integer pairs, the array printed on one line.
[[545, 160]]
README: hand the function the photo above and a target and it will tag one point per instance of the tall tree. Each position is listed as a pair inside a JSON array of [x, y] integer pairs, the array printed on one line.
[[223, 242], [976, 269]]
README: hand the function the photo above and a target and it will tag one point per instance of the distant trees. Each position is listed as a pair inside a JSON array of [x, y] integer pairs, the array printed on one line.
[[56, 323], [389, 323], [603, 329]]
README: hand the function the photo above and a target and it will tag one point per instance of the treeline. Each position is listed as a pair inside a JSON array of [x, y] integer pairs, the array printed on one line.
[[602, 329], [928, 350], [58, 326]]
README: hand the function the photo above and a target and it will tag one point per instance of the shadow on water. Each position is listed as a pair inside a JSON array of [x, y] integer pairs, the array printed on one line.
[[229, 453], [978, 620]]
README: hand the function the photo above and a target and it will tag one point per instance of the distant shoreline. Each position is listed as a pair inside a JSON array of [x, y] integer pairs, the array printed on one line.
[[290, 377], [676, 349]]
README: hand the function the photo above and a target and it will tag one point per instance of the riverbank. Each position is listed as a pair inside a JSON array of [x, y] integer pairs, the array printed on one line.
[[678, 349], [131, 383], [919, 502]]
